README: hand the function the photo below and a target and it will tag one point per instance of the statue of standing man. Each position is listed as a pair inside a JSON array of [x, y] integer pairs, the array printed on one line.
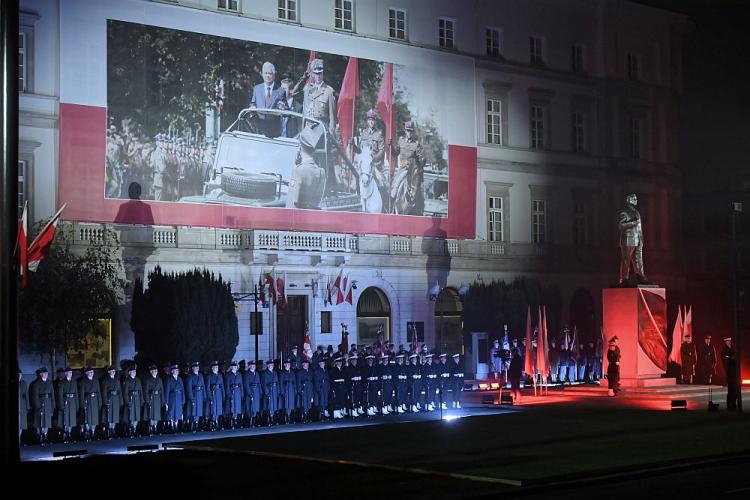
[[631, 241]]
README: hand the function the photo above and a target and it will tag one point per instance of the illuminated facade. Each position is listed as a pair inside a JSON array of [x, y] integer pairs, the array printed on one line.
[[547, 113]]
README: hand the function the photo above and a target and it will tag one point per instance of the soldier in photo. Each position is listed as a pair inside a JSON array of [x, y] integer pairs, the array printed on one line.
[[215, 392], [689, 357], [253, 392], [386, 385], [613, 368], [304, 388], [321, 386], [233, 399], [307, 185], [289, 126], [23, 405], [174, 398], [339, 382], [457, 374], [153, 391], [372, 385], [42, 404], [195, 395], [112, 396], [158, 162], [371, 139], [66, 398], [444, 380], [132, 391], [288, 383], [429, 382], [414, 373], [319, 98], [354, 386], [406, 189], [270, 381], [90, 401], [729, 359], [707, 361]]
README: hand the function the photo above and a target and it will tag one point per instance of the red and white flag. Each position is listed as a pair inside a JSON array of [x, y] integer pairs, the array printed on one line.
[[674, 354], [528, 362], [22, 247], [39, 248], [307, 346], [414, 338], [542, 365], [280, 291], [339, 285], [347, 97], [348, 297], [687, 329], [271, 288]]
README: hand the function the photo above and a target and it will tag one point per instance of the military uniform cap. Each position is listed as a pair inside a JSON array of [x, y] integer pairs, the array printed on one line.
[[294, 347], [708, 337], [409, 125], [234, 363], [428, 355], [270, 362], [413, 355], [42, 369], [305, 360], [285, 76], [317, 66], [174, 367], [152, 367], [59, 370], [728, 338], [195, 363], [370, 356], [288, 360], [338, 359], [384, 355], [372, 113], [443, 355], [251, 362], [88, 369], [400, 356], [354, 356], [310, 136], [456, 355], [131, 368], [214, 363], [168, 364], [109, 368]]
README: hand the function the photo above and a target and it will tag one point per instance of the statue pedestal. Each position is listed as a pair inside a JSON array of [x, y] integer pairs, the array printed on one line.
[[638, 317]]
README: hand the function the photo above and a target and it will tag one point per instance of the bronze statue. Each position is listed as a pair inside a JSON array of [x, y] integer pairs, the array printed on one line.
[[631, 241]]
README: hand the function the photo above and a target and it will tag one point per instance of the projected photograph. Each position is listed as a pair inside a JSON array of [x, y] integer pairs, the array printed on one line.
[[196, 118]]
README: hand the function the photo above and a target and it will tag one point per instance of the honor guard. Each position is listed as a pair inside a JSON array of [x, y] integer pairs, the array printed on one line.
[[153, 391], [321, 387], [270, 390], [90, 400], [215, 396], [707, 361], [414, 372], [132, 390], [444, 380], [613, 368], [288, 384], [195, 394], [339, 387], [729, 359], [233, 398], [23, 405], [174, 398], [42, 403], [66, 398], [689, 358], [429, 382], [386, 385], [253, 392], [354, 386], [112, 395], [372, 385], [457, 374], [304, 388], [295, 359], [400, 378]]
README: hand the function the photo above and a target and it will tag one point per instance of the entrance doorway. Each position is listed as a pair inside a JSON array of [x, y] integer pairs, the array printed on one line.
[[373, 317], [290, 324]]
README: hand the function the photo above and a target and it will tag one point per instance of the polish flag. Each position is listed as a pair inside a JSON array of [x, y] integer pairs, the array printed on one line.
[[347, 97], [675, 355], [307, 346], [271, 288], [280, 290], [688, 326], [528, 362], [22, 247], [348, 297], [39, 248]]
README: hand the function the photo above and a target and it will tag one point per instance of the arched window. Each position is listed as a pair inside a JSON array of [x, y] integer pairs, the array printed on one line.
[[448, 323], [373, 317]]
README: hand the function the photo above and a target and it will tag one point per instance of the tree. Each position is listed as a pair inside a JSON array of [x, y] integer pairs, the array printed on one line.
[[69, 293], [184, 317]]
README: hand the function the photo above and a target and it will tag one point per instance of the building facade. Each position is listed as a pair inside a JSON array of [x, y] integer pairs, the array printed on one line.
[[548, 113]]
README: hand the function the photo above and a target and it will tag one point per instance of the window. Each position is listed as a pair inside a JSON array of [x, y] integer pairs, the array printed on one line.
[[495, 218], [445, 33], [579, 132], [538, 221], [493, 42], [634, 67], [326, 324], [537, 126], [635, 138], [397, 24], [22, 186], [288, 10], [22, 62], [343, 15], [577, 58], [494, 121], [536, 46], [232, 5], [580, 223]]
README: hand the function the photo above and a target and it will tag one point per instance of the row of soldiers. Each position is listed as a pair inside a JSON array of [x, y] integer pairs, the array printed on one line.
[[259, 395]]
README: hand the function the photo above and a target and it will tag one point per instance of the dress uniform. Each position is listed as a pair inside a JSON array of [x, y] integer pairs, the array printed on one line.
[[406, 189], [234, 392], [66, 398], [132, 391], [457, 374], [689, 357], [319, 99], [153, 392], [308, 181], [174, 397], [89, 399], [23, 404], [321, 386], [42, 403], [414, 373], [385, 373], [288, 384], [429, 382], [215, 395], [707, 361], [339, 386], [270, 389], [354, 386], [304, 387], [195, 394], [372, 384], [613, 368], [444, 380], [729, 358], [112, 396], [400, 378], [252, 391]]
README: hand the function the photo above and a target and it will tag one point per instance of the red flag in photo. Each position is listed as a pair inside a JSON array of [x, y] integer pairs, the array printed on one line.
[[528, 362], [22, 247], [310, 59], [280, 291], [39, 248], [271, 288], [384, 105], [347, 97]]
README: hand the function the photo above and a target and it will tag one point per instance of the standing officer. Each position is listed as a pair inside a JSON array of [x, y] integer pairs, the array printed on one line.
[[729, 358], [252, 392], [339, 386], [354, 386], [321, 387], [174, 398], [304, 388], [153, 390], [90, 400], [444, 379], [401, 382], [288, 384], [414, 372], [132, 390], [195, 393], [689, 358], [295, 359], [385, 373], [233, 399], [42, 403], [613, 368], [707, 361], [371, 380], [429, 382], [319, 99], [307, 185], [112, 395], [66, 396], [406, 189], [457, 374], [270, 380], [496, 361], [215, 401], [23, 405]]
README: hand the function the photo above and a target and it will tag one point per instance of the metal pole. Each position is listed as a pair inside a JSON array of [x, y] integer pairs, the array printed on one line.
[[736, 211], [8, 232]]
